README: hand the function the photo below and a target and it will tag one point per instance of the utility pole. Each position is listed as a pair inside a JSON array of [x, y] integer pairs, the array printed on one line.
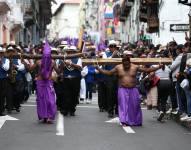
[[189, 15]]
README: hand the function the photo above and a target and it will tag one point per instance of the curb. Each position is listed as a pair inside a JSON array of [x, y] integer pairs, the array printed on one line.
[[176, 118]]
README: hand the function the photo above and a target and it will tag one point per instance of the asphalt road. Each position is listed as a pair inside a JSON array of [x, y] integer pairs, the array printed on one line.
[[88, 130]]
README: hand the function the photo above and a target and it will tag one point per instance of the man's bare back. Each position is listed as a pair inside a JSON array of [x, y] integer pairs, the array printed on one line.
[[38, 65]]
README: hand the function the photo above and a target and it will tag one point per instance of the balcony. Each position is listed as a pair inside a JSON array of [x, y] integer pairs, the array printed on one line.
[[17, 26], [4, 7], [125, 8], [153, 25], [143, 13], [45, 10], [152, 2], [28, 8], [116, 10], [16, 19]]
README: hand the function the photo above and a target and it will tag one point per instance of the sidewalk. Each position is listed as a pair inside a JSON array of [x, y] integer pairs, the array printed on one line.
[[176, 118]]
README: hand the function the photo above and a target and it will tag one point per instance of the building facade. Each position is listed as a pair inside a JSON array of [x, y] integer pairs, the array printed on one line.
[[24, 20], [65, 21], [37, 16], [142, 19], [98, 20], [130, 26], [101, 20], [177, 15]]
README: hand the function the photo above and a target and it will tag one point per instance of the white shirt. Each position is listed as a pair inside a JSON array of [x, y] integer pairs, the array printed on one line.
[[79, 62], [163, 74], [6, 65], [20, 66]]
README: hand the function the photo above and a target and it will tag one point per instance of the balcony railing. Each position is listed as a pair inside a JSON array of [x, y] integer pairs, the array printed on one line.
[[26, 5]]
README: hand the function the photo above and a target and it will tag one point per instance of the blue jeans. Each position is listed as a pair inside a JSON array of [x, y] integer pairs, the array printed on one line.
[[173, 96], [181, 98], [89, 90], [188, 98]]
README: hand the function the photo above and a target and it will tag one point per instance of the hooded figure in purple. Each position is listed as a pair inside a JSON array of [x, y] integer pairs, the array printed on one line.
[[46, 105]]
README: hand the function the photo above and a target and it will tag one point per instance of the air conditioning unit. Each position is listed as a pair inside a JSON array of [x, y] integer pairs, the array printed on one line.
[[185, 2], [182, 1]]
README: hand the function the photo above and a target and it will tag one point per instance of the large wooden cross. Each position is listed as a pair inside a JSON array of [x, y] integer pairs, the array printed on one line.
[[38, 56], [116, 61], [98, 61]]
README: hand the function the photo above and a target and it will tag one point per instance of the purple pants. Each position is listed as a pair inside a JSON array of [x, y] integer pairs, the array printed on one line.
[[129, 106]]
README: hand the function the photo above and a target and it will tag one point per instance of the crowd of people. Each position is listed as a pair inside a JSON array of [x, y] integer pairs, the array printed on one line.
[[166, 90], [62, 84]]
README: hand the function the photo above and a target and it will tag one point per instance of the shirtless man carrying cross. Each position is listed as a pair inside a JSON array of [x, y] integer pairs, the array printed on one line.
[[128, 96]]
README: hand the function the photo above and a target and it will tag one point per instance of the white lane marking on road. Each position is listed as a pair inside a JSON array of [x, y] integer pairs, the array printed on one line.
[[28, 105], [60, 125], [1, 123], [3, 119], [187, 133], [31, 101], [114, 120], [33, 105], [85, 106], [126, 129]]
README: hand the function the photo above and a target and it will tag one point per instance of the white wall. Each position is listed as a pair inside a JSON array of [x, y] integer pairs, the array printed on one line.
[[131, 28], [16, 15], [171, 13], [55, 6], [66, 23], [101, 20]]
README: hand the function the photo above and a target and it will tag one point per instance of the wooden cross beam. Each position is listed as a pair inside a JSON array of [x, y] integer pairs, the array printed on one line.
[[38, 56], [116, 61]]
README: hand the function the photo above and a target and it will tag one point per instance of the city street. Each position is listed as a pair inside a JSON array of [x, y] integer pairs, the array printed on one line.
[[125, 51], [88, 130]]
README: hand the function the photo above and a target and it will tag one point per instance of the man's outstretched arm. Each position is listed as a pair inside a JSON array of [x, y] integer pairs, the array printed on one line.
[[148, 70], [107, 72]]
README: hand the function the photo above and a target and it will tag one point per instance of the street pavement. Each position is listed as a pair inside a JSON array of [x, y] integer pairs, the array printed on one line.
[[90, 130]]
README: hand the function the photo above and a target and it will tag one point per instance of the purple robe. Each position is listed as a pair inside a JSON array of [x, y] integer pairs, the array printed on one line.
[[129, 106], [46, 62], [46, 105], [46, 99]]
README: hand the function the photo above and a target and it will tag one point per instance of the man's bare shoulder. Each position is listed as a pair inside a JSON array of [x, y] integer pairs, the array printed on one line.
[[38, 62], [119, 66], [134, 66]]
